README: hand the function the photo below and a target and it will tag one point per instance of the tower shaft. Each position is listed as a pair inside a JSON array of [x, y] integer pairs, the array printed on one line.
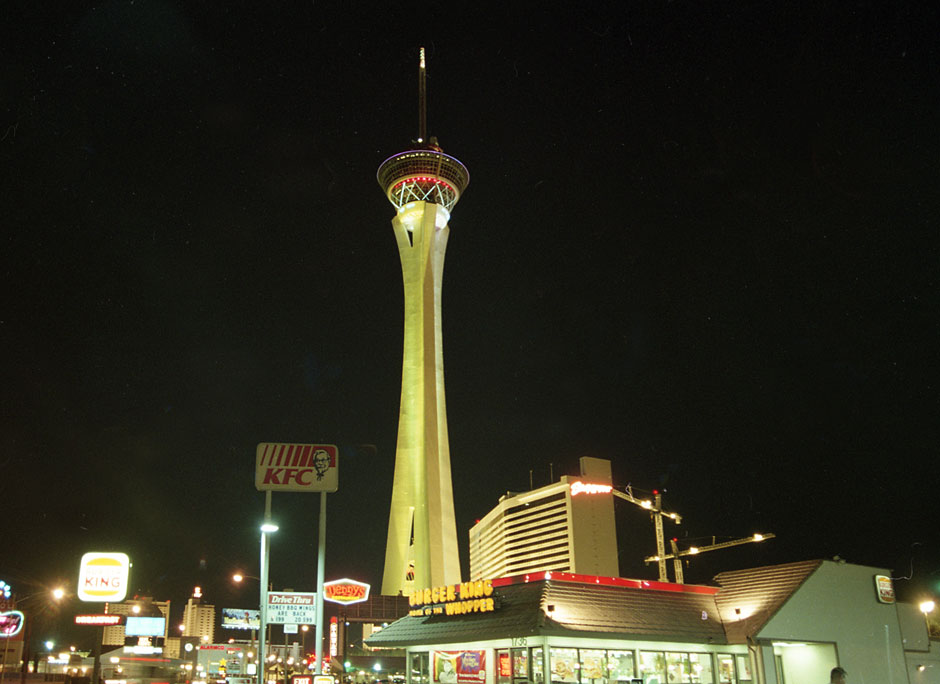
[[422, 532]]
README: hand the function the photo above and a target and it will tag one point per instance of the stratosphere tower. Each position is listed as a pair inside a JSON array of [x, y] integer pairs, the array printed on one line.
[[423, 184]]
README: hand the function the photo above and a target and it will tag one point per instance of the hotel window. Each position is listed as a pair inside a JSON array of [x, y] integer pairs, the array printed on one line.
[[564, 663], [620, 666], [593, 666], [725, 668], [653, 667]]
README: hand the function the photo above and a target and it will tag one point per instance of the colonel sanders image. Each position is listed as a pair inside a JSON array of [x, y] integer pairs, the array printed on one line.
[[321, 462]]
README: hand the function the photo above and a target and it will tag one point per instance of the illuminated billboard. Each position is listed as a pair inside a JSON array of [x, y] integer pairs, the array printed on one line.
[[345, 591], [11, 622], [145, 626], [102, 577], [283, 467], [240, 618]]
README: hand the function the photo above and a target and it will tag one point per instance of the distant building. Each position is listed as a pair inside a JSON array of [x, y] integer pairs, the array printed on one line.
[[564, 527], [141, 606], [199, 618]]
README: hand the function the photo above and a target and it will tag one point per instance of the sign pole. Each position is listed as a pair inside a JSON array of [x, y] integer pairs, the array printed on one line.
[[263, 581], [321, 563]]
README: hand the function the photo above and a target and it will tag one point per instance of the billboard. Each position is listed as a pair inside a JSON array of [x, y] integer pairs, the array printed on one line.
[[102, 577], [240, 618], [345, 591], [292, 608], [281, 467], [144, 626]]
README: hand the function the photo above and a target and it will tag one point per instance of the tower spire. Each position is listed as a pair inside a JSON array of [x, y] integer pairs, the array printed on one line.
[[422, 99], [423, 184]]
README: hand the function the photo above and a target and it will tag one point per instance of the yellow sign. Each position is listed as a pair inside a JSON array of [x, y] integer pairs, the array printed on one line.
[[453, 599]]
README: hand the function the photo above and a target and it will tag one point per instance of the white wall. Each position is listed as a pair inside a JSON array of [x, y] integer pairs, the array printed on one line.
[[838, 603]]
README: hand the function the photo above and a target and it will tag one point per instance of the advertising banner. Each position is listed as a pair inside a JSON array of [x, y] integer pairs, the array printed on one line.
[[292, 608], [240, 618], [281, 467], [460, 667], [145, 626]]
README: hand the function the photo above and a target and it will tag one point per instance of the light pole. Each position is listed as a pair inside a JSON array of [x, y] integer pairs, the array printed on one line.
[[267, 527], [927, 607], [10, 600]]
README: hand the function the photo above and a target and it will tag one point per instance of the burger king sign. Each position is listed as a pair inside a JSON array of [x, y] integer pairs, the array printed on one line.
[[103, 577]]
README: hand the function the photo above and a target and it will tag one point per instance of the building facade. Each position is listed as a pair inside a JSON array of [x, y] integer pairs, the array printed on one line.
[[199, 619], [787, 624], [139, 606], [564, 527]]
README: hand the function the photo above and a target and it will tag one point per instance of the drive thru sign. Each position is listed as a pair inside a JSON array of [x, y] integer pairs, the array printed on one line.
[[296, 467], [292, 608]]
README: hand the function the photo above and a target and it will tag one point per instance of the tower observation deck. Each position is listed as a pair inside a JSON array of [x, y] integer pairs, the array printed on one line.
[[423, 184]]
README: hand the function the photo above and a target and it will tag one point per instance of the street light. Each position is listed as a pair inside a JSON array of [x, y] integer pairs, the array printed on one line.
[[267, 527], [10, 601]]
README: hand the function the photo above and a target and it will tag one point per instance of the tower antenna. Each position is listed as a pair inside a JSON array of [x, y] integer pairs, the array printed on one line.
[[422, 99]]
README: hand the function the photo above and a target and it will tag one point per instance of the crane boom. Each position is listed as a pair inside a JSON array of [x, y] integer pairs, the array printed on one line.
[[693, 550]]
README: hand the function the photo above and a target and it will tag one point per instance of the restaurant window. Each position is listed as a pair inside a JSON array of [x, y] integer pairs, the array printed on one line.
[[678, 668], [701, 668], [653, 667], [537, 659], [593, 666], [503, 667], [419, 668], [743, 663], [520, 665], [725, 668], [564, 664], [620, 666]]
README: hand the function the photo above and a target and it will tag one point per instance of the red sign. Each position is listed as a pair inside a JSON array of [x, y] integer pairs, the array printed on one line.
[[301, 679], [104, 619], [345, 591], [505, 667]]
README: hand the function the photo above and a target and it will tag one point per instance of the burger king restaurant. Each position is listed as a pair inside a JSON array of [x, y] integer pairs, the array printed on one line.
[[773, 625]]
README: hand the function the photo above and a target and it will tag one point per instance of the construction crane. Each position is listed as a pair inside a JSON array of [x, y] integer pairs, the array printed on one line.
[[657, 513], [677, 555]]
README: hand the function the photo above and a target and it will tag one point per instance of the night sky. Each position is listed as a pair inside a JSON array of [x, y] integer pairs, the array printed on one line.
[[700, 240]]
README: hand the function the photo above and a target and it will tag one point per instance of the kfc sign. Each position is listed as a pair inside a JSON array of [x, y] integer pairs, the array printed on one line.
[[103, 577], [345, 591], [296, 467]]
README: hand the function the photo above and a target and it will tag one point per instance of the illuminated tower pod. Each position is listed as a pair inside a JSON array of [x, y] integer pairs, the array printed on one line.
[[423, 184]]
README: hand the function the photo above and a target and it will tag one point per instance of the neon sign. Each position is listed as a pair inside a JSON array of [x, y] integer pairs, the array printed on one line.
[[586, 488], [11, 622]]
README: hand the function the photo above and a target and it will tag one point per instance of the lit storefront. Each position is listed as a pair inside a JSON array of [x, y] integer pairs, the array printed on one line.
[[567, 629], [767, 626]]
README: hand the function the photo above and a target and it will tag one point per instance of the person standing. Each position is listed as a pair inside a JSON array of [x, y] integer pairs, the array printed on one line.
[[837, 676]]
